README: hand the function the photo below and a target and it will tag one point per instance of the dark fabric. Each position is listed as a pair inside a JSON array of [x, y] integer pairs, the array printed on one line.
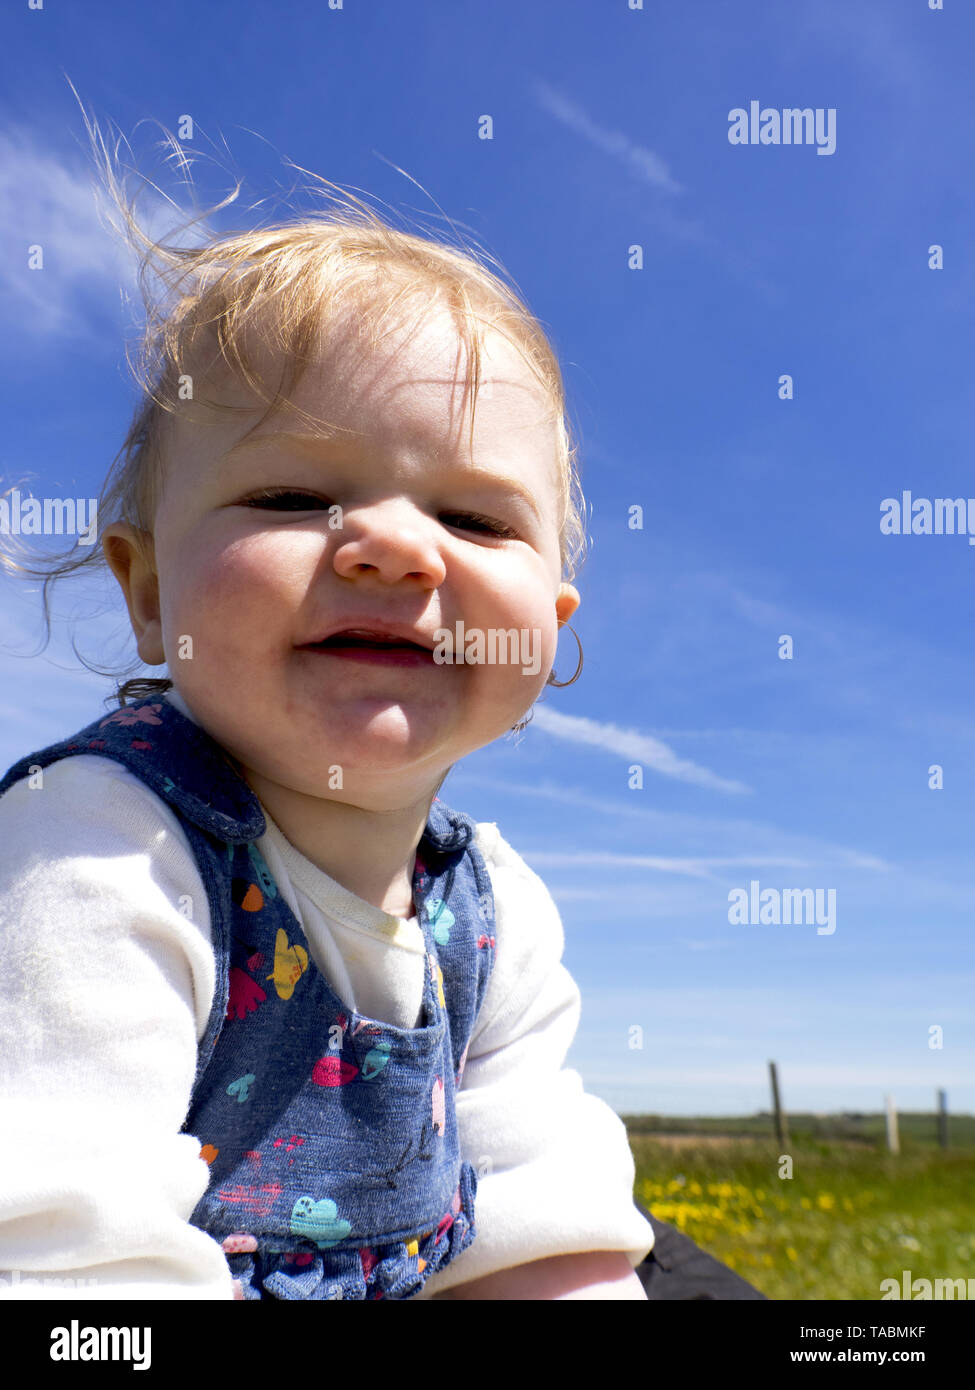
[[678, 1270]]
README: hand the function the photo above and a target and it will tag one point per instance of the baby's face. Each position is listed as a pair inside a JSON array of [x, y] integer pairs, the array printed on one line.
[[427, 539]]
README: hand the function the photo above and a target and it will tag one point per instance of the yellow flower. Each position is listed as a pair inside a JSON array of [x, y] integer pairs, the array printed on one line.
[[791, 1254], [825, 1201]]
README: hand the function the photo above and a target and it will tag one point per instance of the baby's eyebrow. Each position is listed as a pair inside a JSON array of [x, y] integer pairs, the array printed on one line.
[[329, 440], [328, 435]]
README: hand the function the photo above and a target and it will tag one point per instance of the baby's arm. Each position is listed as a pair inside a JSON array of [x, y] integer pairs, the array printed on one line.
[[555, 1172], [104, 989]]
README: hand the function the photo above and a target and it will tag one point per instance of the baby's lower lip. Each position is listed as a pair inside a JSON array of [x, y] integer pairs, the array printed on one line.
[[377, 656]]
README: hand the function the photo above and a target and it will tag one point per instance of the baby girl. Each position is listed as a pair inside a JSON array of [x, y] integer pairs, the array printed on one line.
[[275, 1021]]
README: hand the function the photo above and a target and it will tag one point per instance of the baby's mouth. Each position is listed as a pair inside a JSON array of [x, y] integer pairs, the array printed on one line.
[[361, 644]]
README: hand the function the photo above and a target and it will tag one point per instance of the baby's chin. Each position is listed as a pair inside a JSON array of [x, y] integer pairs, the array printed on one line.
[[382, 750], [388, 754], [398, 734], [380, 771]]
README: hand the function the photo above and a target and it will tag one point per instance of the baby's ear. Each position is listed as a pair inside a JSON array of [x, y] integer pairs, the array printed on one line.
[[566, 603], [129, 554]]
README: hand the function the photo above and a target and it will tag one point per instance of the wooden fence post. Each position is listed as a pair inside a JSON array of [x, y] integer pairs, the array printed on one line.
[[781, 1126], [943, 1119], [893, 1138]]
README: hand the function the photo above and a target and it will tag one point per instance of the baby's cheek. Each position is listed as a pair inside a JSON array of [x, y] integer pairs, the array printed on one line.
[[242, 594], [526, 601]]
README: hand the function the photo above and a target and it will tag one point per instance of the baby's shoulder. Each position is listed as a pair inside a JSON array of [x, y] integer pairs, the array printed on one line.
[[84, 804], [77, 778], [498, 854], [520, 895]]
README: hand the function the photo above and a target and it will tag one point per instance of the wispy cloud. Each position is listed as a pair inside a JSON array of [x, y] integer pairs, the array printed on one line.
[[691, 868], [757, 610], [632, 745], [648, 167], [54, 201], [641, 161], [545, 859], [743, 842], [48, 202]]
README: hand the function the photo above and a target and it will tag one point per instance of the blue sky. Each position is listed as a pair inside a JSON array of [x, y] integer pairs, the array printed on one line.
[[761, 515]]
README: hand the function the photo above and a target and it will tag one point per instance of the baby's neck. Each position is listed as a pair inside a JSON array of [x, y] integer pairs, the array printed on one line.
[[371, 853]]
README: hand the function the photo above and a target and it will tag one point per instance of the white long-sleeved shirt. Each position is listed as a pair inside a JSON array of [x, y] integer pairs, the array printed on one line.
[[107, 977]]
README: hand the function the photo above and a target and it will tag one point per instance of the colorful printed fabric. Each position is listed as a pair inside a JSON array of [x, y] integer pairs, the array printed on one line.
[[331, 1138]]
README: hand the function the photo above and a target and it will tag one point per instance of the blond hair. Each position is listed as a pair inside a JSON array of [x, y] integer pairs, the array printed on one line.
[[291, 279]]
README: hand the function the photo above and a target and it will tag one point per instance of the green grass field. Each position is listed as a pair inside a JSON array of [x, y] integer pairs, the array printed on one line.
[[850, 1216]]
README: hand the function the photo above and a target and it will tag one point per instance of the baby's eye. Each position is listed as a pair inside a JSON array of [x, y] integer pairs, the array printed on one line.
[[483, 523], [288, 499], [284, 499]]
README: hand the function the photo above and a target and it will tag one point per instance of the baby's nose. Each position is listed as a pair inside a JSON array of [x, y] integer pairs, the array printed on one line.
[[392, 539]]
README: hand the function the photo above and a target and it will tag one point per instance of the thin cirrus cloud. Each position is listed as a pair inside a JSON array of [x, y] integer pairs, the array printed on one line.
[[698, 867], [45, 202], [54, 202], [632, 745], [649, 168], [641, 161]]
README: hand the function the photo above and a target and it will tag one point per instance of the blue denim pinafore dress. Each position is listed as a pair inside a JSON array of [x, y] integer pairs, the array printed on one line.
[[331, 1138]]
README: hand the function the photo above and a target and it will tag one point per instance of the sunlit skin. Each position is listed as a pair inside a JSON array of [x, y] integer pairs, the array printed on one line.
[[253, 584]]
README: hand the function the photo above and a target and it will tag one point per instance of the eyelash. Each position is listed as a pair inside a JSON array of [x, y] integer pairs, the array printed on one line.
[[264, 499]]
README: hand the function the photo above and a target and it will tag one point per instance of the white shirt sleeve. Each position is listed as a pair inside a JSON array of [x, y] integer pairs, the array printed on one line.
[[554, 1163], [105, 990]]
